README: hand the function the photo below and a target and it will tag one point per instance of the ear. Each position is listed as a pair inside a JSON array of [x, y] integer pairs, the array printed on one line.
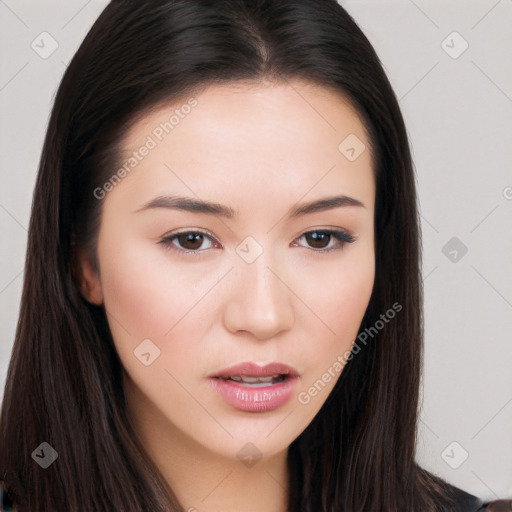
[[90, 282]]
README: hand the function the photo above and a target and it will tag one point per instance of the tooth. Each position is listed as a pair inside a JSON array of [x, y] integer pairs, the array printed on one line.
[[250, 380], [266, 379], [245, 379]]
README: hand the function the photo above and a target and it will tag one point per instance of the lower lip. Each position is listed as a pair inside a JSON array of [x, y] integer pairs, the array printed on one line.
[[252, 399]]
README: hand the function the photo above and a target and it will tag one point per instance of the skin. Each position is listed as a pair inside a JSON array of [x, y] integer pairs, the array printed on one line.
[[259, 149]]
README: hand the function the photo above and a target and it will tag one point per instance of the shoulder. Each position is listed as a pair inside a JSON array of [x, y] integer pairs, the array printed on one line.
[[496, 506], [466, 502], [462, 501], [6, 499]]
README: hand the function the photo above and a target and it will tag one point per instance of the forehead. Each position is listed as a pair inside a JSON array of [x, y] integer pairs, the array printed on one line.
[[292, 110], [287, 136]]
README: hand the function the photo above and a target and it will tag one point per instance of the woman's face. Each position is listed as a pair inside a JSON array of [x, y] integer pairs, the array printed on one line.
[[254, 278]]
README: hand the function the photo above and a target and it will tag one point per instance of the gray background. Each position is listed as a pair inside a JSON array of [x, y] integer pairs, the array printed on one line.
[[458, 108]]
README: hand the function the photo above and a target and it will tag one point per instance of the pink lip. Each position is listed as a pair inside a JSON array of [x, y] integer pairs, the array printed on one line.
[[257, 399], [250, 369]]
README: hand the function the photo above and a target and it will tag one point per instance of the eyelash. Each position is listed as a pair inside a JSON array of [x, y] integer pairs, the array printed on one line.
[[342, 236]]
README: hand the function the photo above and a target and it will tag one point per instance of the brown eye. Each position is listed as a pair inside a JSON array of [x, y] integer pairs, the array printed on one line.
[[187, 241], [190, 241], [318, 239], [321, 239]]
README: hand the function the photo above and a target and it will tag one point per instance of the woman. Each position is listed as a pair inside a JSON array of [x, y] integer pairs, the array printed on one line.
[[222, 297]]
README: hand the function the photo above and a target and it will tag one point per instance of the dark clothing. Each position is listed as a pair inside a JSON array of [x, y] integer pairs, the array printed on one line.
[[468, 503], [497, 506]]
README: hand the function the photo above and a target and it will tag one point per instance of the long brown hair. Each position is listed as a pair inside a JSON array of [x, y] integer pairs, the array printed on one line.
[[64, 379]]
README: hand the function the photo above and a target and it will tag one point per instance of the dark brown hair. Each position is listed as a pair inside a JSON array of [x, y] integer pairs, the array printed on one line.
[[64, 379]]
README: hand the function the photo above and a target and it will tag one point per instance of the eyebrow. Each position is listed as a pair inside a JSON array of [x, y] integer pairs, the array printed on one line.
[[193, 205]]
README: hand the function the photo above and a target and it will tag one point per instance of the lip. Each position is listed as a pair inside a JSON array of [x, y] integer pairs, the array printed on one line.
[[250, 369], [255, 399]]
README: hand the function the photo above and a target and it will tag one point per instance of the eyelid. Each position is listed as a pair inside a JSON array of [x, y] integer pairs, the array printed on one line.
[[188, 230]]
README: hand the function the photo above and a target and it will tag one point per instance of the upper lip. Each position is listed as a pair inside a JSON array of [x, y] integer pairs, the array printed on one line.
[[250, 369]]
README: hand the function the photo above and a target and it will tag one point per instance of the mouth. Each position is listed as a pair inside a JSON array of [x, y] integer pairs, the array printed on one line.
[[250, 373], [250, 387], [257, 382]]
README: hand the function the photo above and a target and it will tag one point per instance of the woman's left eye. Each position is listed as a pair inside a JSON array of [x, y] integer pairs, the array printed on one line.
[[319, 237], [191, 241]]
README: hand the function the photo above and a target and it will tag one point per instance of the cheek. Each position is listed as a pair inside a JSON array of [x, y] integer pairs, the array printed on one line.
[[350, 292], [148, 295], [339, 304], [340, 291]]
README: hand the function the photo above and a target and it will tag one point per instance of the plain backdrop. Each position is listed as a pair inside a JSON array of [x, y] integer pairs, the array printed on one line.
[[450, 65]]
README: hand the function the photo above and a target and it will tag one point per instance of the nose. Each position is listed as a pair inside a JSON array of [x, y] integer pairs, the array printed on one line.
[[260, 300]]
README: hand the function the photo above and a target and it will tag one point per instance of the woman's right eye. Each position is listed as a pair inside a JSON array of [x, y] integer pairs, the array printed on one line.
[[189, 241]]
